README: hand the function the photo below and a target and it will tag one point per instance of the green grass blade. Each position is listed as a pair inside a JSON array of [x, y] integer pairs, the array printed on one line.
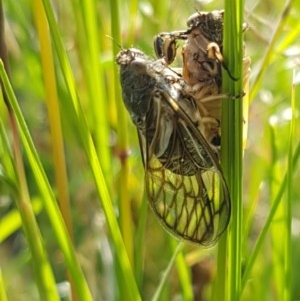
[[219, 287], [122, 143], [100, 140], [287, 291], [92, 157], [89, 47], [139, 243], [232, 138], [270, 50], [184, 273], [166, 273], [49, 201], [262, 236], [3, 296], [59, 162], [12, 222]]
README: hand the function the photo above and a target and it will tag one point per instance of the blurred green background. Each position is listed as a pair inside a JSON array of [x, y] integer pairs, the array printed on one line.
[[85, 30]]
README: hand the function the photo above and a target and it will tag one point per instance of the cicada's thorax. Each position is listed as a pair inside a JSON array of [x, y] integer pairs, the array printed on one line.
[[137, 84]]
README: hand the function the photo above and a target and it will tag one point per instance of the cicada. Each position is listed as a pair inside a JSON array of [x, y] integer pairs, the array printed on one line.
[[184, 182], [202, 64], [202, 51]]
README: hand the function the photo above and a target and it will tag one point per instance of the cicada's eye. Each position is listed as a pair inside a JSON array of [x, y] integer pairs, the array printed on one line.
[[165, 47], [193, 20], [159, 46], [170, 49]]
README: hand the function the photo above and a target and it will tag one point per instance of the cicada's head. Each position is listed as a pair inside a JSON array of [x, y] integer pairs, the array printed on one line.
[[210, 24]]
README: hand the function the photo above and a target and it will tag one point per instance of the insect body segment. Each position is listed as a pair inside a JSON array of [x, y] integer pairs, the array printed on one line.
[[202, 63], [183, 178], [210, 24]]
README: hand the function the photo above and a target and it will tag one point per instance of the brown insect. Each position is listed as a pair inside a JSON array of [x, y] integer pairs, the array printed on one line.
[[202, 65], [184, 182]]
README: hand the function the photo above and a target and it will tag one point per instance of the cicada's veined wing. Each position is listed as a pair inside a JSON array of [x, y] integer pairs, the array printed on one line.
[[195, 208], [183, 179]]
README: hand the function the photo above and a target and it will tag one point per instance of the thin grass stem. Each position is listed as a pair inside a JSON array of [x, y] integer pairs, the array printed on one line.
[[232, 139]]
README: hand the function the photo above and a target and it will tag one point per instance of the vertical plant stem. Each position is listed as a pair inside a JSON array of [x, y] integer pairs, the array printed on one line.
[[232, 138], [266, 228], [86, 138], [270, 50], [40, 264], [125, 212], [42, 269], [54, 113], [219, 285], [122, 148], [157, 293], [3, 296], [184, 272], [61, 178], [96, 84], [49, 201], [288, 207]]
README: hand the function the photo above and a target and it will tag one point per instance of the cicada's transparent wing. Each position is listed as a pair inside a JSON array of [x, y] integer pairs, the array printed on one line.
[[195, 208], [183, 178], [191, 202]]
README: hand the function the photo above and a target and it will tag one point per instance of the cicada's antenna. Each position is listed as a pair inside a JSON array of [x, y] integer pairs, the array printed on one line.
[[119, 45]]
